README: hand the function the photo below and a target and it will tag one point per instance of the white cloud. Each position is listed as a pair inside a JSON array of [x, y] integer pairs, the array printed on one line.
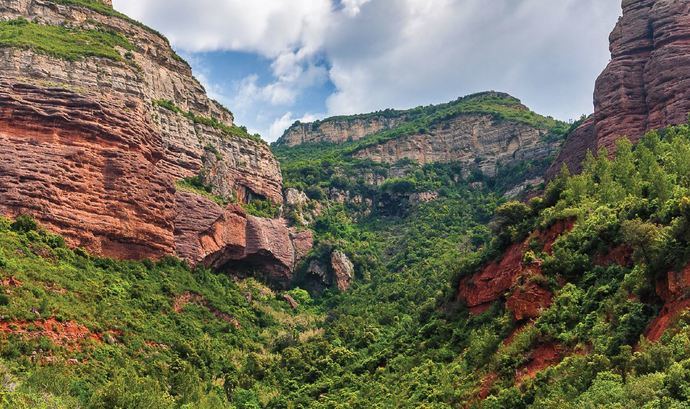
[[269, 27], [397, 53], [352, 7], [281, 124], [546, 52]]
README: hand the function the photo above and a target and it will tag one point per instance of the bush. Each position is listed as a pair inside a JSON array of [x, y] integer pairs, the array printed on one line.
[[262, 208], [62, 42], [24, 224]]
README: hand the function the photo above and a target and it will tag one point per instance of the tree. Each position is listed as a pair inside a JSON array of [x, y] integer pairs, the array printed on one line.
[[642, 237]]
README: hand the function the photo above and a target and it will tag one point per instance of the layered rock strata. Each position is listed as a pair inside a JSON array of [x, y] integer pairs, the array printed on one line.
[[646, 85], [338, 130], [87, 149], [472, 140]]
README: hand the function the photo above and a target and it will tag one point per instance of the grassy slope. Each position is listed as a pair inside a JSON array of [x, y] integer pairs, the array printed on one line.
[[62, 42]]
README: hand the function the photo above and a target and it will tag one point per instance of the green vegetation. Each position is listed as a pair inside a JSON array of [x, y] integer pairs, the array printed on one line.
[[98, 6], [196, 185], [79, 331], [398, 338], [95, 5], [101, 8], [414, 347], [262, 208], [62, 42], [640, 201], [234, 130]]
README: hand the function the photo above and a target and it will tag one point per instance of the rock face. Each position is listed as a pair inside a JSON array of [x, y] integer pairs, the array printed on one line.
[[646, 85], [673, 288], [512, 278], [338, 130], [87, 151], [343, 270], [468, 139], [339, 273], [86, 169], [483, 131]]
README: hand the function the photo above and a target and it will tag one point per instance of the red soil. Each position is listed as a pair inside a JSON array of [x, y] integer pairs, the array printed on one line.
[[188, 297], [68, 334], [621, 255], [542, 357], [668, 314], [495, 279]]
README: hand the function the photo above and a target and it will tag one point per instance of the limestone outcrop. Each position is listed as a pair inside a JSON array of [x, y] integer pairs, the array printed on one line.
[[340, 129], [472, 139]]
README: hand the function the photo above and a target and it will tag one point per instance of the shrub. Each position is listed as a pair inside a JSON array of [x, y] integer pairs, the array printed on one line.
[[24, 224], [262, 208]]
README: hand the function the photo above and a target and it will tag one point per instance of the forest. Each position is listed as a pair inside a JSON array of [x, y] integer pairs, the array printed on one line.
[[77, 325]]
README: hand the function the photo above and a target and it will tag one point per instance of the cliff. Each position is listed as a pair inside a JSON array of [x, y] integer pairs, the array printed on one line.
[[340, 129], [645, 86], [472, 139], [484, 131], [99, 126]]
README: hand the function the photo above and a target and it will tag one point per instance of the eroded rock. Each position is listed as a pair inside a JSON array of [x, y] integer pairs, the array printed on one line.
[[646, 85], [87, 149], [343, 270]]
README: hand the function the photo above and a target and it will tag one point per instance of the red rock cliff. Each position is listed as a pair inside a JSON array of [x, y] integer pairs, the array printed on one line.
[[646, 85], [84, 149]]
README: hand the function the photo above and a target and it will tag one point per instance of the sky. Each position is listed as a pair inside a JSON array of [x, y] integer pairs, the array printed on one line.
[[272, 62]]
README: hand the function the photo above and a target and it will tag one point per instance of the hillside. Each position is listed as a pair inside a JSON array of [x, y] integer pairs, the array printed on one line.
[[489, 129], [153, 254], [488, 139], [602, 262]]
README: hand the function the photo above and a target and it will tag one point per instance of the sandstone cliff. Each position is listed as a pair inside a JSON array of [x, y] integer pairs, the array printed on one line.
[[646, 85], [88, 148]]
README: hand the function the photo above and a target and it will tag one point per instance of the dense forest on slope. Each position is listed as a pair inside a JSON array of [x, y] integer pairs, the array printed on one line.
[[78, 326], [461, 297]]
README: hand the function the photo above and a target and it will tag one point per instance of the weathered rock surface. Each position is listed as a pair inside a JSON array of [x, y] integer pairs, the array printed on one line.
[[85, 168], [673, 288], [85, 150], [646, 85], [529, 300], [338, 130], [471, 140], [496, 279], [338, 272], [343, 270], [230, 240], [301, 210], [302, 241]]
